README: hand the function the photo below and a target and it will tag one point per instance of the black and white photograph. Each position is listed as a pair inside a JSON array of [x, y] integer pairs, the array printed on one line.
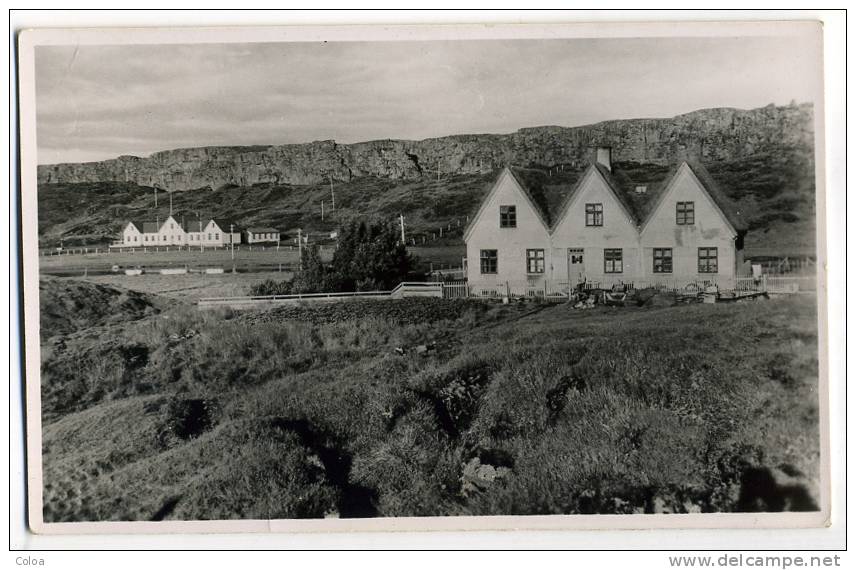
[[426, 276]]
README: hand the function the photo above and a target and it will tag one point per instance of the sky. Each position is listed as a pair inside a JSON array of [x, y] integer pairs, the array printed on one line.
[[99, 102]]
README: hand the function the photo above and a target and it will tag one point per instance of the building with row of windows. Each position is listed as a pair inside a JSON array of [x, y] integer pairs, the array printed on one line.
[[215, 232], [605, 228]]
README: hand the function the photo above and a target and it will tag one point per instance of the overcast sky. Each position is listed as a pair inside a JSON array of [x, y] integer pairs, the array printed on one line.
[[97, 102]]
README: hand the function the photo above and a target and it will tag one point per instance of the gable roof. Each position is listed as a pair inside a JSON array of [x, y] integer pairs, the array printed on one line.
[[729, 209], [551, 195], [224, 224], [534, 199], [145, 227], [547, 192]]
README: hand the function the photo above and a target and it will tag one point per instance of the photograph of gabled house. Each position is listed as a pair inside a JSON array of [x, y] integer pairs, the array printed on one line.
[[217, 232], [171, 231], [603, 228], [153, 233]]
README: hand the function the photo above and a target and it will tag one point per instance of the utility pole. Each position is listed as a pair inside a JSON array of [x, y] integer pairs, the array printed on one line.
[[322, 210], [232, 244], [401, 220], [332, 196], [300, 249], [201, 247], [170, 203]]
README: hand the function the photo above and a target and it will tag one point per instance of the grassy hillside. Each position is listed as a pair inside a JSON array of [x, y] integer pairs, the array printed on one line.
[[520, 409], [773, 188]]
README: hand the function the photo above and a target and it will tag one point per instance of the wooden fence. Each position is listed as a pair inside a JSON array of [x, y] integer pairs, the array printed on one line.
[[404, 289], [558, 290]]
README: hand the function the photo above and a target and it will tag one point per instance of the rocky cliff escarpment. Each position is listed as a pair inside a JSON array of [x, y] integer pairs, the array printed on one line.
[[710, 134]]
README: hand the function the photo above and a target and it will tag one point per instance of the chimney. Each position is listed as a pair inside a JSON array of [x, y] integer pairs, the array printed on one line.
[[604, 156]]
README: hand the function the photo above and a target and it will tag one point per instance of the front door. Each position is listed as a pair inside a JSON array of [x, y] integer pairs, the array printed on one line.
[[576, 265]]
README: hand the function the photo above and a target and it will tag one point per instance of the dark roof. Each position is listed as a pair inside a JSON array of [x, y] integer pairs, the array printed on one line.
[[192, 224], [550, 194], [146, 227], [547, 192], [224, 224], [729, 208], [262, 229]]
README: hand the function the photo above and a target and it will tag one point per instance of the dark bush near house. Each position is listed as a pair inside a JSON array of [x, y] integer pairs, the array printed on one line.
[[370, 256]]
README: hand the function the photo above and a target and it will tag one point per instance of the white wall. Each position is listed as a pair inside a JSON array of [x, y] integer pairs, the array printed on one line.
[[131, 236], [213, 235], [511, 243], [709, 230], [618, 231], [257, 238], [171, 233]]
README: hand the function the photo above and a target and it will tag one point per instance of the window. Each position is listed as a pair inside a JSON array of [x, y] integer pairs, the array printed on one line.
[[508, 216], [489, 261], [662, 260], [534, 261], [164, 238], [613, 261], [594, 214], [685, 213], [216, 236], [707, 260]]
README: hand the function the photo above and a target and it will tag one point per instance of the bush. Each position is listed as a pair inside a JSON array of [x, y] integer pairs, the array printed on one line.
[[370, 256], [187, 418], [270, 287]]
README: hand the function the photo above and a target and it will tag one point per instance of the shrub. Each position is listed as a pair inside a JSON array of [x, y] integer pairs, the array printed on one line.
[[270, 287]]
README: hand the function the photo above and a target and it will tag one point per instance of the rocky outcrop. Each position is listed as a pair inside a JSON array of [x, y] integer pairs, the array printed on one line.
[[710, 134]]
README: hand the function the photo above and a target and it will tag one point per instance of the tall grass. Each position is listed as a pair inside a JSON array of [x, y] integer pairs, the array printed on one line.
[[608, 411]]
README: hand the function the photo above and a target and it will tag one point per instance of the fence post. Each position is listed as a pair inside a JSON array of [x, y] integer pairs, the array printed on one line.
[[764, 282]]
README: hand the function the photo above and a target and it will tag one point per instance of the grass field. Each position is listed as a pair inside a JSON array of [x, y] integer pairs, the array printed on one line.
[[255, 260], [173, 413], [189, 287]]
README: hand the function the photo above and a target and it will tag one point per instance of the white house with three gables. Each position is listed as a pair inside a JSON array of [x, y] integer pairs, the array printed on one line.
[[605, 226], [171, 232]]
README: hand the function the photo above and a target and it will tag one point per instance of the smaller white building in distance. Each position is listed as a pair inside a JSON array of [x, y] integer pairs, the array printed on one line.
[[261, 234], [215, 232]]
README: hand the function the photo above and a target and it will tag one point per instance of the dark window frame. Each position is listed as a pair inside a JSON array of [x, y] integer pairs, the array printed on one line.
[[486, 260], [594, 215], [613, 260], [508, 216], [538, 267], [708, 260], [685, 213], [666, 264]]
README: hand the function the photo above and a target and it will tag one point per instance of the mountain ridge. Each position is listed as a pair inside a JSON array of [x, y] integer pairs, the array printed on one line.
[[717, 134]]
